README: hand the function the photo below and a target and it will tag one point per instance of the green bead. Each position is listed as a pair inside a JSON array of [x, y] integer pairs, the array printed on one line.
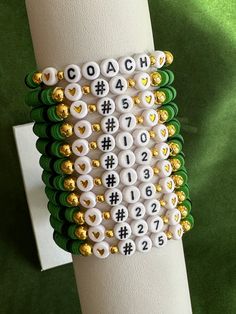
[[63, 199], [56, 132], [30, 82], [46, 96], [176, 126], [168, 93], [74, 246], [164, 78], [183, 175], [42, 146], [61, 241], [169, 111], [71, 232], [174, 107], [174, 93], [52, 115], [55, 149], [70, 212], [180, 159], [58, 182], [57, 165], [179, 138], [38, 114], [185, 190], [48, 179], [52, 195], [171, 76], [46, 163], [32, 98], [42, 130], [187, 204], [57, 225], [56, 211], [175, 149], [190, 219]]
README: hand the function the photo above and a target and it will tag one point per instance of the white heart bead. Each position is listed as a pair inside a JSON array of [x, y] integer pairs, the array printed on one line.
[[80, 147], [163, 151], [106, 106], [83, 165], [106, 142], [127, 121], [110, 179], [165, 168], [79, 109], [142, 81], [109, 67], [128, 176], [152, 207], [49, 76], [109, 161], [143, 244], [101, 249], [167, 185], [145, 173], [127, 65], [113, 197], [93, 217], [72, 73], [155, 224], [173, 216], [139, 227], [118, 85], [124, 103], [143, 155], [161, 133], [150, 117], [127, 247], [85, 182], [73, 92], [91, 70], [160, 58], [131, 194], [97, 233], [147, 190], [142, 61], [110, 124], [99, 88], [171, 200], [177, 231], [141, 137], [122, 231], [119, 213], [83, 129], [88, 199], [137, 210], [124, 140], [126, 158], [147, 99], [159, 239]]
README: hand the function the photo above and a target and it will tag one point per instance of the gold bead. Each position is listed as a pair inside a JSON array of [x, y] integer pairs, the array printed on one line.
[[186, 225], [95, 163], [65, 150], [171, 129], [175, 163], [136, 100], [37, 78], [67, 167], [109, 233], [156, 170], [152, 59], [93, 145], [154, 152], [181, 196], [69, 184], [155, 78], [58, 94], [165, 219], [78, 218], [85, 249], [160, 97], [163, 115], [183, 210], [114, 249], [158, 188], [169, 57], [174, 149], [178, 180], [60, 75], [62, 111], [139, 119], [96, 127], [100, 198], [86, 89], [66, 129], [162, 203], [97, 181], [168, 234], [92, 108], [131, 82], [152, 134], [81, 232], [73, 199], [106, 215]]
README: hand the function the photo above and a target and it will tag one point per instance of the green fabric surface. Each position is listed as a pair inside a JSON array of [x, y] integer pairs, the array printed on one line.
[[202, 36]]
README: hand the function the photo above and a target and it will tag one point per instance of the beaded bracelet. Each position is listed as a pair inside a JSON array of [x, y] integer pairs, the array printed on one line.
[[139, 197]]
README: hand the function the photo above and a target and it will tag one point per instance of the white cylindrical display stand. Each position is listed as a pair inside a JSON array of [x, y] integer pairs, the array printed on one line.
[[75, 31]]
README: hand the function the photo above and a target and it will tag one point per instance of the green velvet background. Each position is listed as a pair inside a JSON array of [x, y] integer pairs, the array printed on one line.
[[202, 36]]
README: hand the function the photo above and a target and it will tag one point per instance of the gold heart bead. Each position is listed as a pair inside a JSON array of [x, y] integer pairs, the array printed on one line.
[[163, 132], [96, 234], [176, 217], [78, 108], [144, 81], [92, 218], [72, 91], [79, 148], [167, 168], [173, 200], [84, 183], [82, 167], [101, 251], [179, 232], [152, 117], [148, 99], [87, 202], [81, 129], [169, 184], [47, 76], [165, 150]]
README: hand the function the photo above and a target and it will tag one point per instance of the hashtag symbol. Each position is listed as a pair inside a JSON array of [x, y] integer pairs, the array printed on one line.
[[120, 214], [106, 107], [110, 180], [110, 124], [123, 232], [128, 248], [106, 143], [109, 162], [114, 198], [100, 87]]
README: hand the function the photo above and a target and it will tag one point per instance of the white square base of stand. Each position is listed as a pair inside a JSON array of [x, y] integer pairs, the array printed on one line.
[[50, 255]]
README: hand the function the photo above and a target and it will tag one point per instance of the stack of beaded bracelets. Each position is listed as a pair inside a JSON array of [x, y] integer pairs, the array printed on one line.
[[112, 155]]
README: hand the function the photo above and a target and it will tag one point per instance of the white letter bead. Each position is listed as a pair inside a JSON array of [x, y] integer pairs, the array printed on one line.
[[109, 67], [109, 124], [113, 197], [167, 185], [118, 85], [143, 155], [141, 137], [80, 147], [93, 217], [143, 244], [106, 106], [142, 61], [165, 168], [127, 65], [163, 150], [83, 165], [73, 92], [155, 224], [96, 233], [90, 70], [161, 133], [126, 158], [49, 76], [177, 231], [72, 73], [109, 161], [142, 81], [139, 227], [173, 216], [128, 176], [147, 190], [99, 87], [127, 121], [145, 173], [124, 103], [85, 182], [137, 210], [122, 231], [83, 129], [131, 194], [79, 109], [159, 239], [152, 207], [110, 179], [160, 58], [171, 200], [147, 99], [127, 247], [88, 199], [101, 249], [106, 142], [150, 117], [124, 140], [119, 213]]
